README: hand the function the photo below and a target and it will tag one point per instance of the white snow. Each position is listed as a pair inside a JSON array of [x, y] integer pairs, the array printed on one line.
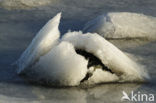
[[123, 25], [56, 61], [110, 56], [62, 65], [45, 39], [101, 76]]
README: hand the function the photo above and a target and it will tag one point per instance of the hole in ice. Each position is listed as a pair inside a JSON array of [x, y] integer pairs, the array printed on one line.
[[93, 61]]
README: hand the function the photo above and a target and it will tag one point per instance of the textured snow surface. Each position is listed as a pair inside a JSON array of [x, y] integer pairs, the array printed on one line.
[[56, 62], [62, 66], [117, 25], [111, 56]]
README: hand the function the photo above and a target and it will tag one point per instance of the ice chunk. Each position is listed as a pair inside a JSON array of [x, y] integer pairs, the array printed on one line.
[[44, 40], [110, 56], [62, 66], [71, 60], [101, 76], [118, 25]]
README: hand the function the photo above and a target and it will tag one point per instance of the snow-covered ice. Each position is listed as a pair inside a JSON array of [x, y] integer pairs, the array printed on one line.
[[45, 39], [57, 61], [62, 66], [119, 25], [110, 56]]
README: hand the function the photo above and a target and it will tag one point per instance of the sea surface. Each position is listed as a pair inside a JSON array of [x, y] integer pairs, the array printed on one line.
[[21, 20]]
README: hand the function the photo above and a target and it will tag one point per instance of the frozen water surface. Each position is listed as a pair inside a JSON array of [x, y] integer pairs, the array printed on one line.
[[19, 24]]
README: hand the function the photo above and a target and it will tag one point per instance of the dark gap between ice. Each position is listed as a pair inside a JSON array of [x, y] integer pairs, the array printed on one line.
[[92, 61]]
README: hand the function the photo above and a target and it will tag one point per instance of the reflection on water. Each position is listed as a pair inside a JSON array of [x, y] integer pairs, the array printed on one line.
[[100, 93]]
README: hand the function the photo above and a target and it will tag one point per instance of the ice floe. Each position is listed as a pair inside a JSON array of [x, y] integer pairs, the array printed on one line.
[[76, 59], [119, 25]]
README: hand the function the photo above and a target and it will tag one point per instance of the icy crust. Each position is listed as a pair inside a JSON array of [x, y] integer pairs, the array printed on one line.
[[57, 62], [119, 25], [23, 4], [62, 66], [45, 39], [122, 66]]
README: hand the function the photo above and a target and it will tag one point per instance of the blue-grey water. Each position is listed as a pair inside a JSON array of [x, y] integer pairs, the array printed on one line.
[[20, 21]]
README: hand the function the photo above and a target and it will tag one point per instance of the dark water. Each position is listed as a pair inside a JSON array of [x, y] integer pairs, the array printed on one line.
[[19, 25]]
